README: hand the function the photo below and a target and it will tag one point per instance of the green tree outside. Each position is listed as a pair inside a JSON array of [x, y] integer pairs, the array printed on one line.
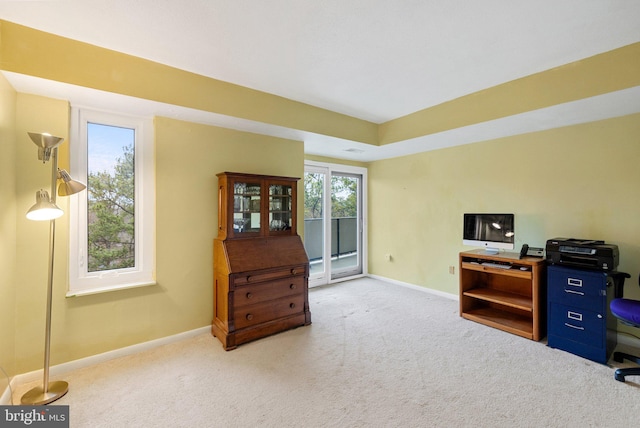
[[344, 197], [313, 189], [111, 235]]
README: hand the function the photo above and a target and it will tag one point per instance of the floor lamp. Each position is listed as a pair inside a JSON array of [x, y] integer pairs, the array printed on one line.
[[45, 209]]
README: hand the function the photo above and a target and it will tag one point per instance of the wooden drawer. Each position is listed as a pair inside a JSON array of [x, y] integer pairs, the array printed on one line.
[[251, 278], [258, 293], [246, 316]]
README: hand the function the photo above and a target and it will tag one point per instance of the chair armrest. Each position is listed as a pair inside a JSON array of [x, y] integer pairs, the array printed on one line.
[[618, 283]]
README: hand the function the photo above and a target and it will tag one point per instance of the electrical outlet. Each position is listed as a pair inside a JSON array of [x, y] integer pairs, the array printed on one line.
[[387, 257], [452, 270]]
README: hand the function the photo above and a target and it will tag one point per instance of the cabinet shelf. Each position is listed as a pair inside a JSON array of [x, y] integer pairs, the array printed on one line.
[[514, 271], [502, 320], [507, 299]]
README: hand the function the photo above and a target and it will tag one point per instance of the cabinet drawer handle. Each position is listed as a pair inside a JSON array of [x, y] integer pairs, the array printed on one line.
[[574, 282], [574, 326], [292, 286], [574, 292], [248, 278], [293, 271], [292, 305], [249, 317], [249, 295], [574, 316]]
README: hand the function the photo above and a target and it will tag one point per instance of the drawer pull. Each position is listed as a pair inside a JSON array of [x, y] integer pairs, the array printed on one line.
[[574, 292], [574, 282], [292, 286], [574, 326], [574, 316], [292, 305], [248, 278], [294, 271], [249, 317], [249, 295]]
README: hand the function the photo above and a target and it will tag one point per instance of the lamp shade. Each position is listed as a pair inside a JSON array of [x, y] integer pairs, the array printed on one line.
[[43, 209], [46, 143], [68, 186]]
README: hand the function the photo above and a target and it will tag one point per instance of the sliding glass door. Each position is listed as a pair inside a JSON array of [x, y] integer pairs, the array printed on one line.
[[346, 232], [335, 242]]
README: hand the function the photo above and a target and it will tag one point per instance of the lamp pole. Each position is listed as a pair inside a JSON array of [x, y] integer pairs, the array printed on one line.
[[49, 391]]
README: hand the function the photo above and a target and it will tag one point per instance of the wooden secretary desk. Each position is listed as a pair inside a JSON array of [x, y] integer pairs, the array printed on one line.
[[260, 266]]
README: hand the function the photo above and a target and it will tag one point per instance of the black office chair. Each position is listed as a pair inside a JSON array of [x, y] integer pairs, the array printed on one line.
[[628, 312]]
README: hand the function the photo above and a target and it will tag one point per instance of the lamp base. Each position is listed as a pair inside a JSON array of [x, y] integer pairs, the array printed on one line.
[[37, 397]]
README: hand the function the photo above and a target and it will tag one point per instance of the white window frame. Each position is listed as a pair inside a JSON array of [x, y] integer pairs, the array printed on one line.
[[82, 282]]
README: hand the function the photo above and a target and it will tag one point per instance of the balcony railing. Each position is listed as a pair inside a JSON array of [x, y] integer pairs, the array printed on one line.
[[344, 236]]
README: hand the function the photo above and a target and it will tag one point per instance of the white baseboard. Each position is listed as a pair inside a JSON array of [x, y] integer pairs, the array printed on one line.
[[63, 368], [627, 339], [417, 287]]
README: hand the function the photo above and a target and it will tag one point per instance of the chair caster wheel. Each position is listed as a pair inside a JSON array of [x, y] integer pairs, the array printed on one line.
[[619, 376]]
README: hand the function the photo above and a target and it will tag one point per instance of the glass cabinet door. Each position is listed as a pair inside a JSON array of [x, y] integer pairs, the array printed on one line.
[[246, 208], [280, 207]]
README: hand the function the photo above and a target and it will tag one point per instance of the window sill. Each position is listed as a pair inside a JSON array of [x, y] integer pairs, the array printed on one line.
[[89, 291]]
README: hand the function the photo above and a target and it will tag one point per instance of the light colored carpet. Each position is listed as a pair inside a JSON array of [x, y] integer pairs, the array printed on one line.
[[376, 355]]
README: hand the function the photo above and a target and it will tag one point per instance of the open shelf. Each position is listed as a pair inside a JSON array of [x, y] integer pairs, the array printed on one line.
[[514, 271], [510, 299], [506, 321], [507, 299]]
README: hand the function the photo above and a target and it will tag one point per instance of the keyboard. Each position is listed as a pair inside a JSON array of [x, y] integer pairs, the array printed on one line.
[[496, 265]]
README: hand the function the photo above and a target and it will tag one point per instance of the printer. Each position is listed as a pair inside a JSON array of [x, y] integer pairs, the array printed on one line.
[[582, 253]]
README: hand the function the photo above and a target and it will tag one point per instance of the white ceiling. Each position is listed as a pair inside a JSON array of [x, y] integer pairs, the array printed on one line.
[[372, 59]]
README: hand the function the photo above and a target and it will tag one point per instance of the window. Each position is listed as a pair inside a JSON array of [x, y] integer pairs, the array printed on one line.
[[112, 223]]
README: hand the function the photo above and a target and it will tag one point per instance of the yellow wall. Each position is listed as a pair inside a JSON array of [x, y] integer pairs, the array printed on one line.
[[7, 228], [188, 157], [578, 182]]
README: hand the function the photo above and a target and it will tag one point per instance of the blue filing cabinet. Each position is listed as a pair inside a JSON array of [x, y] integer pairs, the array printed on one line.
[[578, 312]]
